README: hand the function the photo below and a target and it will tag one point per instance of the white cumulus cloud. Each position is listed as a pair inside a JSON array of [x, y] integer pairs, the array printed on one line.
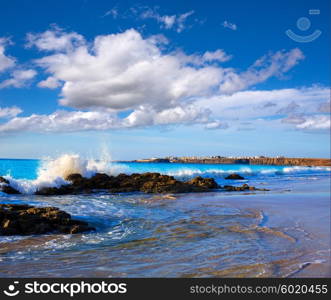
[[54, 39], [123, 71], [19, 78], [9, 112], [50, 82], [6, 62], [218, 55], [60, 121], [74, 121]]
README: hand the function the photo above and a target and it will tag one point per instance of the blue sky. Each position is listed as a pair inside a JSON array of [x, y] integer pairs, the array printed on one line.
[[156, 78]]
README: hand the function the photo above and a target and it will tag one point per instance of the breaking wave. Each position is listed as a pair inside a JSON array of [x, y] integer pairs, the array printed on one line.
[[296, 169], [188, 172], [52, 172]]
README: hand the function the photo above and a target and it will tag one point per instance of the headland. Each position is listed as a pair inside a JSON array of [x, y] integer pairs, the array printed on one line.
[[249, 160]]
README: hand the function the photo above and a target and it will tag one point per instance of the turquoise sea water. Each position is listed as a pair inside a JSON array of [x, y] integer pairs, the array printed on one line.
[[29, 169], [284, 232]]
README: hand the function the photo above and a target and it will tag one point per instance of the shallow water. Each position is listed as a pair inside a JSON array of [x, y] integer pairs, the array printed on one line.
[[281, 233]]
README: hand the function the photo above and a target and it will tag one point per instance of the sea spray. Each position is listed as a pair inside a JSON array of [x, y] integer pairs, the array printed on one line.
[[53, 172]]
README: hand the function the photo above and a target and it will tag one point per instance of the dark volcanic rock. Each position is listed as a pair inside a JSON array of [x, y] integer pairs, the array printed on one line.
[[6, 188], [207, 183], [234, 176], [145, 182], [49, 191], [3, 180], [25, 219], [157, 183], [123, 183], [9, 190], [244, 187], [74, 177]]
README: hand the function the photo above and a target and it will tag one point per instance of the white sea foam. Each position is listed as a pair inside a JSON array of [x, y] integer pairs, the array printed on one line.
[[187, 172], [296, 169], [192, 172], [52, 172]]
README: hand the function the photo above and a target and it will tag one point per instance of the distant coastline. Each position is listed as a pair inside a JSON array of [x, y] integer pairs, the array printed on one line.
[[254, 160]]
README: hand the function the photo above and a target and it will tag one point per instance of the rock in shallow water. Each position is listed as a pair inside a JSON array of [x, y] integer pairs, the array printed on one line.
[[6, 188], [244, 187], [123, 183], [18, 219], [3, 180], [234, 176]]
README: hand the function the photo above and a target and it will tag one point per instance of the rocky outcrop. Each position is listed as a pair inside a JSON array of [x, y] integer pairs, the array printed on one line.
[[123, 183], [25, 220], [3, 180], [234, 176], [208, 183], [9, 190], [244, 187], [6, 188]]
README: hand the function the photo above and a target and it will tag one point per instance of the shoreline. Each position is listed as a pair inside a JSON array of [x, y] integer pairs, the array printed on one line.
[[268, 161]]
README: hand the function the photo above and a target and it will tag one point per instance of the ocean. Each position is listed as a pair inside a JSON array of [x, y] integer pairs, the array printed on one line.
[[284, 232]]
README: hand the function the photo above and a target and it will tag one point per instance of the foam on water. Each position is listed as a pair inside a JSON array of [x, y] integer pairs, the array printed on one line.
[[192, 172], [296, 169], [254, 170], [52, 172]]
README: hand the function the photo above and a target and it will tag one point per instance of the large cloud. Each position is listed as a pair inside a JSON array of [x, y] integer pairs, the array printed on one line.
[[124, 71], [65, 121], [301, 108], [245, 110]]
